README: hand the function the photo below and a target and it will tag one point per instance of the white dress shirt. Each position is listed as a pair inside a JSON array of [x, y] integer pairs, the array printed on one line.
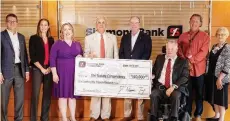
[[99, 35], [15, 42], [162, 77], [134, 39]]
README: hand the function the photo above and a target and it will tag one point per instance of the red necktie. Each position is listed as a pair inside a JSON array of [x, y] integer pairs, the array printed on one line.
[[102, 48], [167, 74]]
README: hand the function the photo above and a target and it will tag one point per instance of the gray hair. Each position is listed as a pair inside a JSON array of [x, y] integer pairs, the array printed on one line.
[[101, 17], [135, 17], [224, 29]]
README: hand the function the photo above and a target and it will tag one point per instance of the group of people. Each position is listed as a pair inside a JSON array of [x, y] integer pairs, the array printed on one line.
[[53, 64], [188, 67]]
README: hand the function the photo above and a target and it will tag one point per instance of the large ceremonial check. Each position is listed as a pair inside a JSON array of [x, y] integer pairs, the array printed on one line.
[[113, 78]]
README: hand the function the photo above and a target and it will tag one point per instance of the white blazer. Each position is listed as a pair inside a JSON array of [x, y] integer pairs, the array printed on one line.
[[92, 45]]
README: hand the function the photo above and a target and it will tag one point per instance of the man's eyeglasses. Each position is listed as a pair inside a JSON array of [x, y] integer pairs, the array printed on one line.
[[134, 23], [8, 21], [99, 22]]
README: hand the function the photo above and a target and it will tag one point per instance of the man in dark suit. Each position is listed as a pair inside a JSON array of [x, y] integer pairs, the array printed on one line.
[[13, 68], [135, 45], [170, 75]]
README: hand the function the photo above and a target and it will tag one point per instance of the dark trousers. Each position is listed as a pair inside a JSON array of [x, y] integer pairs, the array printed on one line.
[[18, 85], [37, 79], [158, 95], [196, 84]]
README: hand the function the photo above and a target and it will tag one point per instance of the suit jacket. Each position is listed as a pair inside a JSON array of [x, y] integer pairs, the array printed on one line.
[[37, 50], [180, 73], [142, 48], [8, 55], [92, 44]]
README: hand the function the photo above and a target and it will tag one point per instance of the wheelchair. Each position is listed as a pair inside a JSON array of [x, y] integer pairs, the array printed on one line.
[[165, 109]]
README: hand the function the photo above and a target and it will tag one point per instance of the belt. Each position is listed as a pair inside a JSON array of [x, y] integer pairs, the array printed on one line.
[[17, 64]]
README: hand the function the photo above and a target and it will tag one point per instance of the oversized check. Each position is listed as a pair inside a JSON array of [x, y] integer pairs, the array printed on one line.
[[113, 78]]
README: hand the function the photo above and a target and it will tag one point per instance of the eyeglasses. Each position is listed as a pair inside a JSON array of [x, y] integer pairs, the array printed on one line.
[[134, 23], [99, 22], [221, 35], [12, 22]]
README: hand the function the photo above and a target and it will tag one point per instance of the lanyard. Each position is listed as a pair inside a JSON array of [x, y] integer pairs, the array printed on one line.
[[191, 39]]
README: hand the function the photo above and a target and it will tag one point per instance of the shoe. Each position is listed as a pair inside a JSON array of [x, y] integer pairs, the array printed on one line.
[[92, 119], [198, 119], [126, 119], [106, 119], [153, 118], [212, 119], [173, 119]]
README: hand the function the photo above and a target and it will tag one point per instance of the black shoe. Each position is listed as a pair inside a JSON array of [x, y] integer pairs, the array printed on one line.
[[212, 119], [173, 119], [153, 118]]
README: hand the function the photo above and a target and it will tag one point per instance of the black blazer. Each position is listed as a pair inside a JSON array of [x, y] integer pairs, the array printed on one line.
[[180, 73], [37, 50], [7, 55], [141, 50]]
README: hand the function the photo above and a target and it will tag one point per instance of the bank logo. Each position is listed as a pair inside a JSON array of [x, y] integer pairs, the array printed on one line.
[[82, 64], [173, 32]]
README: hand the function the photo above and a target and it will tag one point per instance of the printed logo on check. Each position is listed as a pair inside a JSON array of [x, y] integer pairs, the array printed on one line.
[[82, 64]]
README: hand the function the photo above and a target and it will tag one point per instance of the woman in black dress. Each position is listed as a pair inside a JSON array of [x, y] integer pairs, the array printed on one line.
[[218, 75]]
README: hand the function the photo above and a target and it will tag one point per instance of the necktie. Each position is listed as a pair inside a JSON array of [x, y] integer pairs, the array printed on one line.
[[167, 74], [102, 47]]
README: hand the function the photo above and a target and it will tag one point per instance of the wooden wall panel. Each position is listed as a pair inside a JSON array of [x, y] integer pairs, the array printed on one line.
[[152, 14], [219, 13]]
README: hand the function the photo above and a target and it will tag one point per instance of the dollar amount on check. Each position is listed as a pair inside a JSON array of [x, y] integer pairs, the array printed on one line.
[[113, 78]]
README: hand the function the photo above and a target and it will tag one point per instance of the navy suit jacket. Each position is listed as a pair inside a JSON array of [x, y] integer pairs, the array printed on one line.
[[8, 55], [141, 50]]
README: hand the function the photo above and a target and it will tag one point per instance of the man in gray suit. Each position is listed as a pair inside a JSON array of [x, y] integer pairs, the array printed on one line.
[[13, 68]]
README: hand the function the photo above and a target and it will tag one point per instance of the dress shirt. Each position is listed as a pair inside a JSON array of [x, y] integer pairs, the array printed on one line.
[[134, 39], [196, 52], [15, 42], [162, 77]]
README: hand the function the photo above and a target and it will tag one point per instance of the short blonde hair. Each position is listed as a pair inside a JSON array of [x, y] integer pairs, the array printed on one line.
[[224, 29], [62, 29]]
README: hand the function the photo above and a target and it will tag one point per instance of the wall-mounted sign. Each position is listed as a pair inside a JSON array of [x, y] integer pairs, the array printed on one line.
[[174, 32], [169, 32]]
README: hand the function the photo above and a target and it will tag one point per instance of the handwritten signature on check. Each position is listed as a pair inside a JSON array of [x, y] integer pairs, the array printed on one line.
[[129, 89]]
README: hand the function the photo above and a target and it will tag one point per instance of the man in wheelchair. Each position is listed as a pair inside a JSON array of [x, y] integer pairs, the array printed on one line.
[[170, 76]]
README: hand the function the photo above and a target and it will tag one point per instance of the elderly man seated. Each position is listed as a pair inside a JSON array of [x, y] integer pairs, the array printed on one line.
[[170, 74]]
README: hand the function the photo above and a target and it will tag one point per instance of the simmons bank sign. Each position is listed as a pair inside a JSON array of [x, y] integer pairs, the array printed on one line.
[[170, 32]]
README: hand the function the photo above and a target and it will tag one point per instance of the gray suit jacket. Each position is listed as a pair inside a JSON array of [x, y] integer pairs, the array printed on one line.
[[7, 58]]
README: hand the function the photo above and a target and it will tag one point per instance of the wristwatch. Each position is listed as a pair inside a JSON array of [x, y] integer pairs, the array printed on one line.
[[175, 86]]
